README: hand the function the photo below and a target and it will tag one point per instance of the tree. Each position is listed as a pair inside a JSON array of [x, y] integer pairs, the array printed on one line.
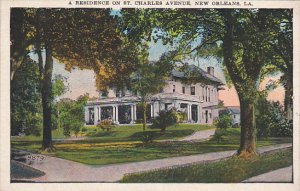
[[84, 38], [72, 114], [239, 37], [25, 100], [149, 79], [281, 53], [20, 37]]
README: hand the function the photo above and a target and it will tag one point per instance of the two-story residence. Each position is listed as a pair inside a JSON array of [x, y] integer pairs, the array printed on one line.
[[198, 101]]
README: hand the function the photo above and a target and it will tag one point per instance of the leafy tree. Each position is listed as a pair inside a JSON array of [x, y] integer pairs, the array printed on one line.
[[21, 38], [224, 121], [238, 37], [72, 114], [84, 38], [270, 119], [148, 79], [25, 100]]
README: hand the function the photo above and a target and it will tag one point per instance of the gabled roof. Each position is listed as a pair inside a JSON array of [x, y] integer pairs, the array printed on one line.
[[234, 109], [202, 73]]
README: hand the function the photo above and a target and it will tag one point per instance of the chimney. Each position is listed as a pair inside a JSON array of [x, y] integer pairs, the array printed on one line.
[[210, 70]]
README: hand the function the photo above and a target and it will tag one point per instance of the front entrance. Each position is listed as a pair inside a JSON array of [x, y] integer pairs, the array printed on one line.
[[139, 113], [124, 112], [107, 113], [91, 117], [194, 113]]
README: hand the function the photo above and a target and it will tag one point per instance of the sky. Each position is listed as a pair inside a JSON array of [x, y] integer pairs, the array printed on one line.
[[83, 81]]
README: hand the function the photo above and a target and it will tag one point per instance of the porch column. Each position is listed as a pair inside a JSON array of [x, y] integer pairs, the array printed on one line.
[[198, 114], [95, 115], [117, 114], [114, 113], [152, 110], [131, 116], [189, 112], [99, 113], [134, 112], [86, 115]]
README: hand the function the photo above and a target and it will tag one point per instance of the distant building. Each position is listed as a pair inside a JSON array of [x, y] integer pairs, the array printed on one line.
[[234, 112], [198, 101]]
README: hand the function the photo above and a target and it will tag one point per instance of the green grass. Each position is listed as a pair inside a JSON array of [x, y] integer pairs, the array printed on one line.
[[126, 148], [232, 170]]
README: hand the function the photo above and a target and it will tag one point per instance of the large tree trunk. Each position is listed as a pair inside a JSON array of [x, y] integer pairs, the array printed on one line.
[[144, 106], [46, 101], [288, 97], [247, 139], [18, 41]]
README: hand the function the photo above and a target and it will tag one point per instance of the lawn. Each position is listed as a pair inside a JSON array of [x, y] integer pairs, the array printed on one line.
[[124, 133], [232, 170], [124, 146]]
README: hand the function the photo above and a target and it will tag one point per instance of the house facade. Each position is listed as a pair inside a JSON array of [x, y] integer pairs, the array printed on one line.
[[197, 101], [234, 112]]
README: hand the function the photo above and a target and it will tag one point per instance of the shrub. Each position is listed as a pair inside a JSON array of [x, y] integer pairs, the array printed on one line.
[[106, 125], [181, 117], [270, 121], [84, 129], [224, 121], [147, 137], [164, 119], [67, 131], [219, 135]]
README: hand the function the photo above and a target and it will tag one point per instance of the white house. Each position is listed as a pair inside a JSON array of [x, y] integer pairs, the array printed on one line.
[[235, 114], [198, 101]]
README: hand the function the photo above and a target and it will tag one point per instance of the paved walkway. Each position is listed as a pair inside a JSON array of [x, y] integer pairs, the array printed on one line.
[[280, 175], [199, 135], [61, 170]]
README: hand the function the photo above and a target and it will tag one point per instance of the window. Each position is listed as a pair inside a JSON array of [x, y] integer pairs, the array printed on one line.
[[183, 90], [118, 93], [173, 88], [234, 116], [208, 91], [210, 115], [104, 94], [193, 90]]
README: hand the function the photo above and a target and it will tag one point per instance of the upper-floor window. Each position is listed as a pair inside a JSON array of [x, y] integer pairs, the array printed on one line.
[[183, 90], [206, 94], [174, 88], [208, 91], [120, 93], [193, 92], [104, 93]]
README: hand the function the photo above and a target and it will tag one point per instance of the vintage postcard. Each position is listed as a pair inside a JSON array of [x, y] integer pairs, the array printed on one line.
[[114, 94]]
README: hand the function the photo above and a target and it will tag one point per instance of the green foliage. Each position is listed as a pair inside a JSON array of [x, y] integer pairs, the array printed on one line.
[[164, 119], [271, 121], [106, 125], [219, 135], [147, 137], [59, 86], [181, 117], [25, 100], [72, 114], [224, 121]]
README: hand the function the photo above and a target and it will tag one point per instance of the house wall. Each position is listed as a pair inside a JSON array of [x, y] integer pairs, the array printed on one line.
[[205, 97], [236, 118]]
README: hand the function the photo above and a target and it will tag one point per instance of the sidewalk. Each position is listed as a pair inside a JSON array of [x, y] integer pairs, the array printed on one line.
[[61, 170], [280, 175]]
